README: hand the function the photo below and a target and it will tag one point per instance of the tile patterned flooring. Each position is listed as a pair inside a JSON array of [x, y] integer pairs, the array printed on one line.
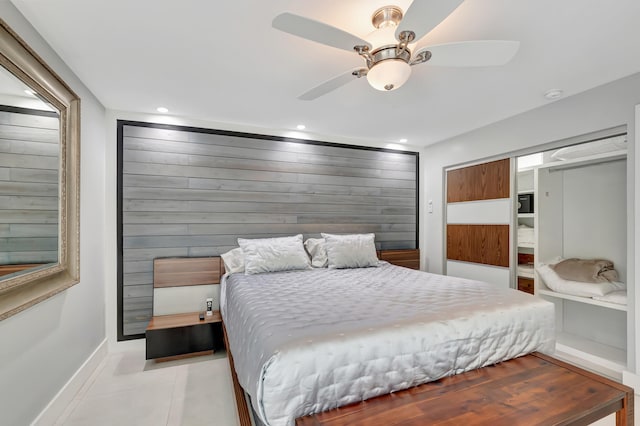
[[127, 390]]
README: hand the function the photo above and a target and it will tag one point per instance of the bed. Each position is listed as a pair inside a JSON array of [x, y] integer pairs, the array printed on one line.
[[312, 340]]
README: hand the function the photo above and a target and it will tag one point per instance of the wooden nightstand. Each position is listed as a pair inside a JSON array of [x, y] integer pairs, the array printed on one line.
[[178, 335]]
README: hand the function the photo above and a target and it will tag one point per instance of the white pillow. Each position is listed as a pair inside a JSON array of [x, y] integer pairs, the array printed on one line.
[[274, 254], [233, 261], [576, 288], [318, 252], [350, 251]]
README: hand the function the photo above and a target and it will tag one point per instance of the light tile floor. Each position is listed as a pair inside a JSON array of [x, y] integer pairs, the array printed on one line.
[[127, 390]]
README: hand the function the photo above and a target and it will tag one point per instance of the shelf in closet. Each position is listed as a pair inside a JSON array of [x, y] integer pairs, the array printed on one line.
[[525, 271], [580, 299], [610, 357], [526, 215], [586, 161], [526, 245]]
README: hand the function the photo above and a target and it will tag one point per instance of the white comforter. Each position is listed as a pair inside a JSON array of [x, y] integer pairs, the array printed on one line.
[[309, 341]]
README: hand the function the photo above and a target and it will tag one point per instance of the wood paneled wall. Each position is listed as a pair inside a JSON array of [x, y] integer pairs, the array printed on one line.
[[193, 192], [481, 182], [29, 162]]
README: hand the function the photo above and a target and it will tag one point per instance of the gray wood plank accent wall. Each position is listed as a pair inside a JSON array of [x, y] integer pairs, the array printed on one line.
[[193, 192], [29, 162]]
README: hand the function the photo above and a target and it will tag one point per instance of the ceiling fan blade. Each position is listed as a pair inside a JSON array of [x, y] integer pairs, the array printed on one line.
[[480, 53], [424, 15], [332, 84], [317, 31]]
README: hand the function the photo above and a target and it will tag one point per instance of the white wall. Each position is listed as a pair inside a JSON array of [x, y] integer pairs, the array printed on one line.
[[594, 213], [600, 108], [43, 346]]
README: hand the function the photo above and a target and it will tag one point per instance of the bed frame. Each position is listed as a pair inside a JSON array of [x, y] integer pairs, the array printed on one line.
[[409, 258], [537, 387]]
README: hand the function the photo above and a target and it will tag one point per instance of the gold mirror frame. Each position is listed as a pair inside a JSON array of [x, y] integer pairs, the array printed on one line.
[[25, 290]]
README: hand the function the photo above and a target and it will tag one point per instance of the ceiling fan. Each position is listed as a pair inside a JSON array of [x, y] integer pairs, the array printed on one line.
[[389, 54]]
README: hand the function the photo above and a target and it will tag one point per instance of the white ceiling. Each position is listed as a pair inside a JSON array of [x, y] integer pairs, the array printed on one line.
[[222, 61]]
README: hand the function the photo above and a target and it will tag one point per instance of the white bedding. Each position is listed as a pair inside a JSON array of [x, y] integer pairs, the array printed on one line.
[[309, 341], [526, 234]]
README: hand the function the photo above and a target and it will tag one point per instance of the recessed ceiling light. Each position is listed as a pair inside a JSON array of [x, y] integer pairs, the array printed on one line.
[[403, 140], [301, 127], [553, 94], [162, 110], [396, 146]]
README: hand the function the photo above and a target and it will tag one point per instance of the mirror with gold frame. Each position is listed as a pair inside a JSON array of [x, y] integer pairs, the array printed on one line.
[[39, 178]]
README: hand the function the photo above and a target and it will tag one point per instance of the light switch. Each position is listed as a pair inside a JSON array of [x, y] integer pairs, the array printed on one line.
[[430, 206]]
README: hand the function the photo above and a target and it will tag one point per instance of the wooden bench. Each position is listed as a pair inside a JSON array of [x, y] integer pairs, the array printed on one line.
[[532, 390]]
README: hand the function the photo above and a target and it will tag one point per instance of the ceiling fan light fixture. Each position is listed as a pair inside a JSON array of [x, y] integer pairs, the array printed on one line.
[[389, 74], [387, 16], [388, 50]]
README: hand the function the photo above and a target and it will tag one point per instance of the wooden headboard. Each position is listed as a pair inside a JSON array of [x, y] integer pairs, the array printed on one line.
[[186, 271], [409, 258], [183, 284]]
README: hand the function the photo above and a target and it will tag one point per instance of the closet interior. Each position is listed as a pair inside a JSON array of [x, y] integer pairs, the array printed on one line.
[[572, 248]]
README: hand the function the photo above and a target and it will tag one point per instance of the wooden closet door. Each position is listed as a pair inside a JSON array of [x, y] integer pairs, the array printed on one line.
[[478, 220]]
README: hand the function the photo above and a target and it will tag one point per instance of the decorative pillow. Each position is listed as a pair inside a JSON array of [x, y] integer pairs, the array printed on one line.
[[274, 254], [318, 252], [350, 251], [233, 261], [576, 288]]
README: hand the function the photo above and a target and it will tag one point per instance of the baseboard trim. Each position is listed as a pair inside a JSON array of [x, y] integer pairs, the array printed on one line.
[[632, 380], [50, 414]]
